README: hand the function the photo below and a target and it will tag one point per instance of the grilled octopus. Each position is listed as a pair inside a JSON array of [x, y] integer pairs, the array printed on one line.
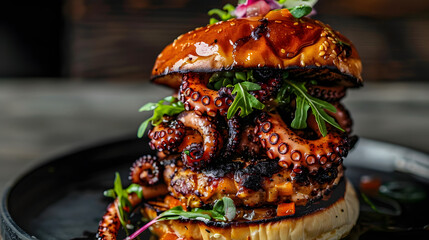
[[202, 153]]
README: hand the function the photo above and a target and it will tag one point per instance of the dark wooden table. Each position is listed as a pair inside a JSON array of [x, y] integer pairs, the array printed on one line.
[[40, 119]]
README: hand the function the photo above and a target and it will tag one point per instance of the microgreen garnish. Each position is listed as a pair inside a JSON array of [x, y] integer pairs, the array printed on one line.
[[229, 79], [223, 210], [242, 83], [246, 8], [123, 205], [244, 101], [304, 102], [300, 11], [173, 107], [225, 14]]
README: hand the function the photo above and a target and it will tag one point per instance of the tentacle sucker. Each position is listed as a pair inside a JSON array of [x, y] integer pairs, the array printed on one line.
[[166, 136]]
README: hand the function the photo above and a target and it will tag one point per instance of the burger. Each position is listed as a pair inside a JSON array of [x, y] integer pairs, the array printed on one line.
[[251, 144]]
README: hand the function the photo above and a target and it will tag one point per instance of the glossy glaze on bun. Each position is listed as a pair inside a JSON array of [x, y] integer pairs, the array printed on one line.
[[304, 46], [331, 222]]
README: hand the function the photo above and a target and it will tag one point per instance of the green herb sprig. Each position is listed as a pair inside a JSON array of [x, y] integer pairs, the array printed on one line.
[[229, 79], [304, 102], [300, 11], [227, 12], [242, 83], [244, 101], [173, 107], [223, 210], [123, 204]]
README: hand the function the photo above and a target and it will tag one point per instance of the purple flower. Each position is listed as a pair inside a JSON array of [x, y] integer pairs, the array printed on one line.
[[253, 8]]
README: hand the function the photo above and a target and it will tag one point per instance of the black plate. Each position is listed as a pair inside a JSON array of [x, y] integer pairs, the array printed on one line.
[[62, 199]]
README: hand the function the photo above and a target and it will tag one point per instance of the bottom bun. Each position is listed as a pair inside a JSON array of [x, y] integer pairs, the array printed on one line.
[[331, 222]]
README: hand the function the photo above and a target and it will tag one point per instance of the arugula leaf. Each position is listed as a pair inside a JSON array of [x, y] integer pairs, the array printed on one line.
[[304, 101], [173, 107], [178, 212], [229, 79], [223, 210], [300, 120], [244, 101]]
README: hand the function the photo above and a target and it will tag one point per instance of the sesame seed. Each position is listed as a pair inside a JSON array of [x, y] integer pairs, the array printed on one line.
[[282, 50], [278, 21], [309, 27], [207, 30], [332, 55], [323, 34], [219, 31], [232, 24], [321, 47], [321, 53], [334, 52], [295, 23], [334, 42], [318, 64], [330, 38], [325, 48], [194, 35]]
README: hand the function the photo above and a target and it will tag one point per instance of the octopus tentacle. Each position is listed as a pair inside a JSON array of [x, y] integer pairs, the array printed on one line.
[[212, 139], [268, 90], [110, 224], [282, 142], [166, 136], [342, 116], [145, 171], [330, 94], [196, 96], [234, 136], [249, 145]]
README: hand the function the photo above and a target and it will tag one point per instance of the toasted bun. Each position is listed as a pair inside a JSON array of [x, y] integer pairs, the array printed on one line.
[[333, 222], [304, 46]]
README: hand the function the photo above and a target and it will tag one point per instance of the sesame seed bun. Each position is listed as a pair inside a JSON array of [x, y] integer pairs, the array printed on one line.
[[307, 48], [333, 221]]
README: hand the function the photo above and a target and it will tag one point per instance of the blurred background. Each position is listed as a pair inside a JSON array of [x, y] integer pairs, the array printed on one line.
[[105, 39], [75, 72]]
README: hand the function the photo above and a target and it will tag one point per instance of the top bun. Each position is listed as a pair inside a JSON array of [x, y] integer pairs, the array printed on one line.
[[307, 48]]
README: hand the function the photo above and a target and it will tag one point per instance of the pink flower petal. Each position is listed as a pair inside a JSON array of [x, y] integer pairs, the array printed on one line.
[[255, 8]]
